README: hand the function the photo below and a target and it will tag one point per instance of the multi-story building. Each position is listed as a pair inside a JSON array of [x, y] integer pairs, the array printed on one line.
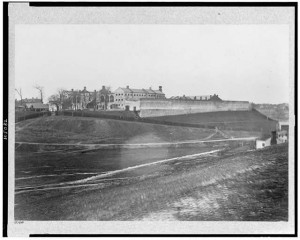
[[84, 99], [77, 100], [104, 99], [123, 95]]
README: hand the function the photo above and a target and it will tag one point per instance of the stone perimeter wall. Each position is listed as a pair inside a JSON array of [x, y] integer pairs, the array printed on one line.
[[160, 107]]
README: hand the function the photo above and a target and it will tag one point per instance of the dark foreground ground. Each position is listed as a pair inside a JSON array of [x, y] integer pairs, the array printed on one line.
[[235, 184]]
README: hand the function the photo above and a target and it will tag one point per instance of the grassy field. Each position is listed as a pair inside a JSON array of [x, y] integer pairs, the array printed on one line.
[[230, 120], [231, 185], [64, 129]]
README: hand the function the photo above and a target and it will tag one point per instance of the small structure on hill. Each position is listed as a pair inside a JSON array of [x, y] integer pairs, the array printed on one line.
[[276, 138], [282, 136], [263, 142]]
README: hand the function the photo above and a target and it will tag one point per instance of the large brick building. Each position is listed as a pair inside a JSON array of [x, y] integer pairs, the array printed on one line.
[[84, 99], [104, 99], [76, 100]]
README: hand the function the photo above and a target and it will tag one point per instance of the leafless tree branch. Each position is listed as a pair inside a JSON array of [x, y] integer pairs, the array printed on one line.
[[41, 90], [19, 93]]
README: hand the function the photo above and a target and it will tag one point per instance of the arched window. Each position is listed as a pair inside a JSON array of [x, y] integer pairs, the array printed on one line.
[[102, 98], [111, 98]]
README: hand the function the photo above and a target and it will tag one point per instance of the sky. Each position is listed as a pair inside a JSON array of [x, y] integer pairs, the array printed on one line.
[[237, 62]]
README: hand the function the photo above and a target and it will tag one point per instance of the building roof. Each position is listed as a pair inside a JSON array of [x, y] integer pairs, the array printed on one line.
[[126, 90], [137, 90], [264, 138], [158, 92], [30, 100], [37, 105]]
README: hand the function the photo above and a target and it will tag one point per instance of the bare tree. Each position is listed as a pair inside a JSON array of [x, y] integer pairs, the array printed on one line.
[[61, 93], [58, 98], [19, 91], [41, 90]]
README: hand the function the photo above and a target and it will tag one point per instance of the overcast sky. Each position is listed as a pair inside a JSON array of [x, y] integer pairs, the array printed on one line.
[[237, 62]]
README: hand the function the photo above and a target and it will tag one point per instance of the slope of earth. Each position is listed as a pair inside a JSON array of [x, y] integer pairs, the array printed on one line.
[[279, 112], [64, 129], [228, 185], [226, 120]]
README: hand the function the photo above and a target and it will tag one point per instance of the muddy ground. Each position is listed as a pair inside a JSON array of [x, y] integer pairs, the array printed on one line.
[[234, 184]]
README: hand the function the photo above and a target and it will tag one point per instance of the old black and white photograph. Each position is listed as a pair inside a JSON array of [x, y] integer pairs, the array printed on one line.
[[151, 119]]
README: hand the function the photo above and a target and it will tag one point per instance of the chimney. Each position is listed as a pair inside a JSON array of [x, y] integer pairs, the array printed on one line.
[[103, 87], [72, 89], [127, 87], [273, 139], [150, 88], [84, 88], [160, 88]]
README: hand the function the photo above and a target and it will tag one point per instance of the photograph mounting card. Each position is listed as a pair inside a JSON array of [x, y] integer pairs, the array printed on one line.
[[151, 119]]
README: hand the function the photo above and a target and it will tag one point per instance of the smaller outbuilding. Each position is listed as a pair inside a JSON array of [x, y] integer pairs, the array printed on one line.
[[282, 136], [37, 107], [283, 125], [263, 142]]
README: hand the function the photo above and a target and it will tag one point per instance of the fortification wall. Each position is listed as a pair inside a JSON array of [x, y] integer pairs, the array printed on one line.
[[161, 107]]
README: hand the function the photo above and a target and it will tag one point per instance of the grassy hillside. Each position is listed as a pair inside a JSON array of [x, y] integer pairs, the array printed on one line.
[[231, 120], [94, 130], [279, 112]]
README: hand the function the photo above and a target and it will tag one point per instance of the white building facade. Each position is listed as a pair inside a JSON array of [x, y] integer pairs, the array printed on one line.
[[128, 98]]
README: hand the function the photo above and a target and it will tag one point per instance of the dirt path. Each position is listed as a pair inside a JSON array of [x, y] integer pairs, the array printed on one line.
[[138, 144], [89, 180]]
